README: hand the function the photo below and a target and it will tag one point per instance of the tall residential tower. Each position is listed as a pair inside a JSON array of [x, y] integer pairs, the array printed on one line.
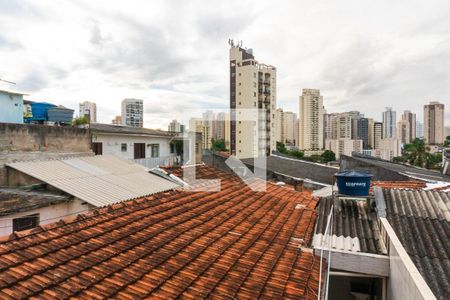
[[252, 86], [311, 112], [133, 112], [433, 116]]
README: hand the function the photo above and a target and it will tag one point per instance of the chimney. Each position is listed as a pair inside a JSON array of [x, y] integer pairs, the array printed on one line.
[[298, 185]]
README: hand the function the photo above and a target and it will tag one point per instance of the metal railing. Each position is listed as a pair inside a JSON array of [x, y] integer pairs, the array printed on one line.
[[152, 162]]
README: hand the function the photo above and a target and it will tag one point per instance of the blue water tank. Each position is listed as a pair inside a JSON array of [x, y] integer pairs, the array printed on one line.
[[39, 110], [353, 183]]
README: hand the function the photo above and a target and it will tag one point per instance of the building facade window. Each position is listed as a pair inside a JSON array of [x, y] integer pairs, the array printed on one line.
[[123, 147], [154, 150], [26, 222]]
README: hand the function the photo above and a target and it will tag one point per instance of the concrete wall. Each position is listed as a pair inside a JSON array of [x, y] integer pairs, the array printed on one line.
[[378, 173], [112, 144], [11, 108], [49, 214], [20, 142]]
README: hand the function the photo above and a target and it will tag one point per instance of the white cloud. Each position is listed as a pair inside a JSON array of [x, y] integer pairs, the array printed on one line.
[[363, 55]]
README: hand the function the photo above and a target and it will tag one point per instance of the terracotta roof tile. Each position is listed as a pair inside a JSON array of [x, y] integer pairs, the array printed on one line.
[[232, 243]]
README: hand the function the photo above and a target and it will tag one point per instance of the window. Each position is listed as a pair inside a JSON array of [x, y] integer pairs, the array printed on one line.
[[97, 148], [26, 222], [254, 94], [254, 75], [154, 150], [123, 147], [240, 74], [239, 83], [172, 148], [139, 150]]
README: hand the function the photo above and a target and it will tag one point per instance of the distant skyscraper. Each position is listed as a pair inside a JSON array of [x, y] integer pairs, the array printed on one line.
[[133, 112], [377, 134], [411, 118], [311, 113], [363, 131], [389, 122], [222, 127], [174, 126], [279, 125], [290, 119], [419, 129], [433, 115], [447, 131], [89, 110], [371, 133], [252, 85], [403, 131], [117, 120]]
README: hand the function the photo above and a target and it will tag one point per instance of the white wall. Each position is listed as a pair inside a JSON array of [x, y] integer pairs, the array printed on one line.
[[112, 144], [49, 214], [405, 281]]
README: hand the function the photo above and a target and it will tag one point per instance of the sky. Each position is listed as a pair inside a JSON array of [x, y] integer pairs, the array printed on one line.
[[362, 55]]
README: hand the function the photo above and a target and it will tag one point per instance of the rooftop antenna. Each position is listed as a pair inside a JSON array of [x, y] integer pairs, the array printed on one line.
[[7, 81], [231, 42]]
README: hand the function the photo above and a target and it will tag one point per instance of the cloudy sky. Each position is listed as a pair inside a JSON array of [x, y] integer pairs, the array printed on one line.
[[362, 55]]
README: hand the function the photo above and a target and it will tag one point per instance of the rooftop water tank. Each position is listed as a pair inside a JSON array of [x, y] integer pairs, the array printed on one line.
[[353, 183], [39, 110]]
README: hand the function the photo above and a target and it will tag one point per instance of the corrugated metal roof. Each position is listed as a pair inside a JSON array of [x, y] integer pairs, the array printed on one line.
[[354, 227], [421, 220], [99, 180]]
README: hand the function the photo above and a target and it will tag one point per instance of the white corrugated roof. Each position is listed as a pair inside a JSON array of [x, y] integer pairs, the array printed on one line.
[[99, 180]]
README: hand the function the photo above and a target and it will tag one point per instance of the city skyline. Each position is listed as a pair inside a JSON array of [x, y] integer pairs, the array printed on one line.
[[400, 64]]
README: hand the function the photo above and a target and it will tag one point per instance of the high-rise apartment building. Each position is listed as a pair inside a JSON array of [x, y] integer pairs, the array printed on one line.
[[311, 113], [419, 130], [290, 119], [371, 133], [389, 123], [279, 125], [447, 131], [174, 126], [222, 127], [433, 116], [355, 115], [411, 119], [252, 86], [363, 131], [403, 131], [88, 110], [133, 112], [377, 134], [343, 146]]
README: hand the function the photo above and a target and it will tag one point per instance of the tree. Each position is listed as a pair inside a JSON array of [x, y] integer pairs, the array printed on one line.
[[218, 145], [328, 156], [281, 148], [416, 153], [80, 121], [297, 153]]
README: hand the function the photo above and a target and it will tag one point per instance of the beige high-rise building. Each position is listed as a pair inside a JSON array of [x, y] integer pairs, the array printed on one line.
[[371, 133], [377, 134], [117, 120], [199, 125], [290, 119], [252, 86], [279, 125], [174, 126], [403, 131], [433, 116], [411, 118], [311, 113]]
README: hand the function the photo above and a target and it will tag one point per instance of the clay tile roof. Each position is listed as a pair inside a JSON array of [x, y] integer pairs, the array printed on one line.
[[410, 184], [234, 243]]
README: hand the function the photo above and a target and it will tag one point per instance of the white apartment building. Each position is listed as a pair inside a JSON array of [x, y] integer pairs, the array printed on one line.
[[252, 86], [343, 146], [433, 116], [88, 110], [389, 122], [133, 112], [311, 113], [174, 126], [279, 125], [390, 148], [419, 129]]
